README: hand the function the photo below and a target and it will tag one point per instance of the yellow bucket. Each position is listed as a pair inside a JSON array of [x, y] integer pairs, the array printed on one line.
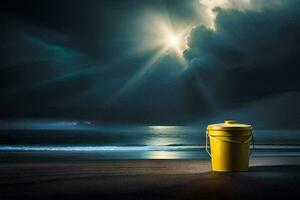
[[229, 143]]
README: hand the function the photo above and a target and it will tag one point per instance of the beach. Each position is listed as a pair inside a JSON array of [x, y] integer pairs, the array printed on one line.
[[268, 177], [140, 162]]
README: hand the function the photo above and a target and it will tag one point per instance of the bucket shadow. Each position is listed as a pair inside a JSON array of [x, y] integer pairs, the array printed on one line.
[[260, 182]]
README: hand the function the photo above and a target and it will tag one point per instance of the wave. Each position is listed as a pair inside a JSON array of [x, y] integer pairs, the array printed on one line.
[[128, 148]]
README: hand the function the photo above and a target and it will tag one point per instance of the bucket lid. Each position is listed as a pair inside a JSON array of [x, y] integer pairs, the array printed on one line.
[[229, 125]]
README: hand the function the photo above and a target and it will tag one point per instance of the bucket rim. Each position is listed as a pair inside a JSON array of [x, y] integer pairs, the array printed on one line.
[[229, 125]]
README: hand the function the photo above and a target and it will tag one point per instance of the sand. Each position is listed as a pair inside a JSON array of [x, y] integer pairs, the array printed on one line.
[[269, 177]]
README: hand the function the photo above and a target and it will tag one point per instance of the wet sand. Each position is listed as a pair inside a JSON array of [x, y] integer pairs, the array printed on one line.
[[269, 177]]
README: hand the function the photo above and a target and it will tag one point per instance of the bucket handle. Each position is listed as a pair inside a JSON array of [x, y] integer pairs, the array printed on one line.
[[207, 145], [252, 140]]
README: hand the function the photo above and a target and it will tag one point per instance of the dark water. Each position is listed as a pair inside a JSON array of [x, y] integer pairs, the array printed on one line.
[[73, 141]]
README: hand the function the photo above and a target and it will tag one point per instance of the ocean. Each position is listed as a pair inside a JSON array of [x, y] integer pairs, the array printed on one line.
[[75, 141]]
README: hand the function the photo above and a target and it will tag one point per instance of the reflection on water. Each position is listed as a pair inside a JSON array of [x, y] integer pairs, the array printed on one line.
[[160, 129], [159, 141], [190, 154], [162, 154], [164, 137]]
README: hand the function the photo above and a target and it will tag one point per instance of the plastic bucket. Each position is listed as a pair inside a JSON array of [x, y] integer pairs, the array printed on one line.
[[229, 145]]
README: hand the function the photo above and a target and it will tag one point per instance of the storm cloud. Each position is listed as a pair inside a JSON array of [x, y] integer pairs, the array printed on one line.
[[249, 55]]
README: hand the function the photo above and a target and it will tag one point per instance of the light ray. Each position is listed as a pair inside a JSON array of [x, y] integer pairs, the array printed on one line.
[[163, 38], [137, 76]]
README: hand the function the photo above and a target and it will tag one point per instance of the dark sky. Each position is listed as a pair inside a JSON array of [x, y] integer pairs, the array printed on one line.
[[71, 59]]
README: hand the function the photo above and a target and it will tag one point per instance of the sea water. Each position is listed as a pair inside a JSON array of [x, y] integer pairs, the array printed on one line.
[[73, 141]]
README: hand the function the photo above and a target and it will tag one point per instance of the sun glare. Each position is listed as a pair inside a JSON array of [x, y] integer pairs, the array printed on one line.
[[161, 127], [173, 40]]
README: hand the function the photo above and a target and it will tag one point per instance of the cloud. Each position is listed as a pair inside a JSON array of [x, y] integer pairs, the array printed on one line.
[[250, 54], [207, 7]]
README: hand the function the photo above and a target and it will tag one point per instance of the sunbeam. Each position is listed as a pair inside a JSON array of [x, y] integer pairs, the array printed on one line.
[[165, 40]]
